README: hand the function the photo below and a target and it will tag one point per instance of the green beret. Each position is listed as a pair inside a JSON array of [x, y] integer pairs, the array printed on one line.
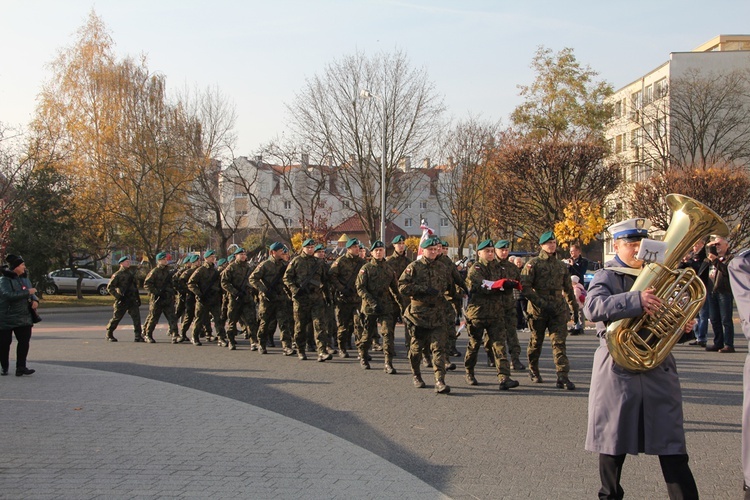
[[161, 255], [186, 259], [208, 254], [123, 259], [276, 246], [502, 244], [377, 244], [398, 239], [352, 242], [308, 242], [545, 237], [230, 258], [444, 243], [319, 247], [221, 262], [239, 250], [430, 242], [194, 258], [484, 244]]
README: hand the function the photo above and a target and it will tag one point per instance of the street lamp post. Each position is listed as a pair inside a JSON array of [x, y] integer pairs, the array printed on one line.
[[366, 94]]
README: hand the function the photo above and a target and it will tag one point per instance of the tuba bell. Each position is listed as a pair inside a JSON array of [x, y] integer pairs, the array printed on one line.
[[640, 344]]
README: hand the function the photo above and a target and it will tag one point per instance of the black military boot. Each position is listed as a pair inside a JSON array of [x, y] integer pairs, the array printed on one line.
[[389, 366], [507, 383], [516, 365], [440, 386], [535, 376], [110, 337], [149, 339], [196, 341], [470, 379], [138, 338], [343, 353], [563, 382], [364, 363], [417, 381]]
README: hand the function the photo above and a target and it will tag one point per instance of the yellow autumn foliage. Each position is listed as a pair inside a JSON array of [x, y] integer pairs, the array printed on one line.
[[583, 221]]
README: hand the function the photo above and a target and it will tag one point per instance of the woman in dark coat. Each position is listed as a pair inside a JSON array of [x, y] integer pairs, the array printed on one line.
[[17, 300], [632, 412]]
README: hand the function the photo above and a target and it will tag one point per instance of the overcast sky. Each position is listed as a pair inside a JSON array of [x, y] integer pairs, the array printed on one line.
[[259, 53]]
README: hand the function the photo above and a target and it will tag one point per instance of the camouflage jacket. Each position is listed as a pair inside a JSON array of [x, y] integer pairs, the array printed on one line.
[[235, 281], [512, 272], [484, 304], [123, 285], [398, 263], [377, 286], [306, 276], [205, 284], [343, 276], [184, 277], [268, 279], [159, 283], [425, 281], [545, 280], [177, 283]]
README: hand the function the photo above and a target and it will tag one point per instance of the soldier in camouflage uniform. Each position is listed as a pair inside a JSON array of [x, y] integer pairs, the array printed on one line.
[[377, 286], [306, 279], [545, 279], [343, 275], [454, 297], [398, 261], [488, 283], [124, 287], [159, 285], [187, 320], [275, 305], [320, 253], [180, 290], [221, 265], [206, 286], [508, 309], [235, 280], [425, 281]]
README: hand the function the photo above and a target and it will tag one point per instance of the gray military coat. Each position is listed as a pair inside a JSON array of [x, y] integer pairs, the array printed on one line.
[[629, 412], [739, 277]]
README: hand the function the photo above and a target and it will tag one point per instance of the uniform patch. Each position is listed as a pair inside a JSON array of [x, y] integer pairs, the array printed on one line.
[[361, 271], [528, 266], [408, 270]]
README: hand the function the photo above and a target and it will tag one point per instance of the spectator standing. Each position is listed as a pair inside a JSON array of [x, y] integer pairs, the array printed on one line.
[[721, 301], [18, 301], [698, 262]]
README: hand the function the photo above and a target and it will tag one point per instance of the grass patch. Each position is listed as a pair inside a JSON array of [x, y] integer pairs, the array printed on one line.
[[70, 300]]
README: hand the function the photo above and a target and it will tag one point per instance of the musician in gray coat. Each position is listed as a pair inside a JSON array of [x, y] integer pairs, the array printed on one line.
[[739, 277], [632, 412]]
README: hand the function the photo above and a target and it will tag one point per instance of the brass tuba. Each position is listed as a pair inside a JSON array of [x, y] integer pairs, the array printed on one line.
[[640, 344]]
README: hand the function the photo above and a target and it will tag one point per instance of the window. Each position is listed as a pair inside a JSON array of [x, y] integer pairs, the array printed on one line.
[[648, 94], [240, 194], [408, 222], [242, 212], [287, 205], [422, 205], [660, 88], [443, 222], [620, 143], [636, 100], [288, 221], [619, 108]]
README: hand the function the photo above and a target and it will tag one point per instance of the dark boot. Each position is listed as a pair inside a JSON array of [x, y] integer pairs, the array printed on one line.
[[389, 366], [516, 365], [507, 383], [440, 386], [535, 376], [564, 383], [417, 381], [470, 379]]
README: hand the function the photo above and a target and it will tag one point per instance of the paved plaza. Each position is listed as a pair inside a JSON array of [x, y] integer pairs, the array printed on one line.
[[127, 420]]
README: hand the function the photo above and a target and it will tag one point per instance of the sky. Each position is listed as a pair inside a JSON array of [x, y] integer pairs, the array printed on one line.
[[259, 53]]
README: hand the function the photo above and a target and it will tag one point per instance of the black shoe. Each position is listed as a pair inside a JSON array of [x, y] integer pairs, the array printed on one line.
[[343, 353], [517, 366], [389, 369], [233, 347], [364, 364], [455, 353], [441, 388], [535, 376], [714, 348], [196, 342], [263, 350], [564, 383], [697, 342], [418, 382], [471, 380], [288, 351], [149, 340], [450, 367], [138, 339], [508, 383], [4, 372], [110, 338], [302, 356], [24, 371]]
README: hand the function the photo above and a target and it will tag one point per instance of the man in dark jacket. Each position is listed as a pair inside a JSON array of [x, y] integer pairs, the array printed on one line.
[[206, 286], [698, 262], [160, 287], [18, 303], [721, 300], [124, 287]]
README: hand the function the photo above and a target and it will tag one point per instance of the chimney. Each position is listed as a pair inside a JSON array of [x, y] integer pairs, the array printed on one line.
[[405, 164]]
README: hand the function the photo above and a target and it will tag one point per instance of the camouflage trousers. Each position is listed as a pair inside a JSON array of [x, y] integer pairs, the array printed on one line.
[[120, 308], [349, 322], [558, 332], [310, 310], [387, 325], [509, 320], [273, 313], [427, 340], [495, 331], [179, 309], [155, 310], [204, 313], [244, 313]]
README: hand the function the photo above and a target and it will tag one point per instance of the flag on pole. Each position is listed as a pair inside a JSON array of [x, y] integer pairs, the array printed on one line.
[[426, 233]]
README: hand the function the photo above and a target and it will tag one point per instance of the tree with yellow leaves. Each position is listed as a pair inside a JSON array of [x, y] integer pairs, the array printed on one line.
[[582, 222]]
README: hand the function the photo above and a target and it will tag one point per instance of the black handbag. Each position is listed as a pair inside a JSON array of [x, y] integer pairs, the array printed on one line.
[[35, 318]]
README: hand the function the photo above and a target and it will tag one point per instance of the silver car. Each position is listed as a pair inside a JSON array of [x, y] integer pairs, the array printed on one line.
[[64, 280]]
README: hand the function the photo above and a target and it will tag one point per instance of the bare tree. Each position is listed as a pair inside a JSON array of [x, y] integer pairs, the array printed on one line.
[[15, 170], [461, 185], [330, 115], [536, 180], [724, 189]]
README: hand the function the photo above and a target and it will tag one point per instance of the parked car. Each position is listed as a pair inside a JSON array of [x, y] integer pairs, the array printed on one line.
[[64, 280]]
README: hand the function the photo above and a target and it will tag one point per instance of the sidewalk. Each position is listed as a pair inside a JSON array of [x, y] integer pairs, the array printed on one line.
[[80, 433]]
